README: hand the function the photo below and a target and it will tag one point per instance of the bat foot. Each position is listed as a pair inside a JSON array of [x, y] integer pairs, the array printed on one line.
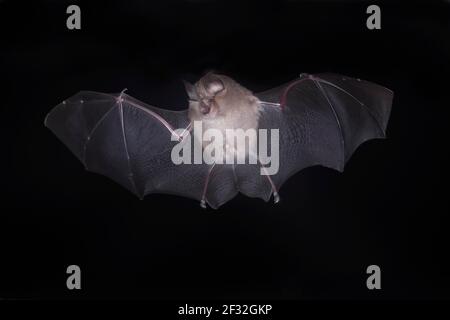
[[203, 204], [276, 197]]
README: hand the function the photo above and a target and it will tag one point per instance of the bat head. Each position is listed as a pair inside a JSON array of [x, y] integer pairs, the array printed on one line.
[[205, 96]]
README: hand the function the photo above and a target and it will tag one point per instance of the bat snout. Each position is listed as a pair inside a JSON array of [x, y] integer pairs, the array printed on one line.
[[205, 109]]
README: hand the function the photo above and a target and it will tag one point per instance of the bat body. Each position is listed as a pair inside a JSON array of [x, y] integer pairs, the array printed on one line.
[[318, 120], [220, 103]]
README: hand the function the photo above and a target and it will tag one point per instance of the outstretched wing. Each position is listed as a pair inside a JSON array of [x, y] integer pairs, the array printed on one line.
[[322, 119], [128, 141]]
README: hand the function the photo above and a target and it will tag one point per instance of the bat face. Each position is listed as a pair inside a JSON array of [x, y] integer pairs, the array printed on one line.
[[204, 107], [206, 98], [218, 96]]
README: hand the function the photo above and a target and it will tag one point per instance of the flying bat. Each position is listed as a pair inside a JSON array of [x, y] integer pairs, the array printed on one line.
[[318, 119]]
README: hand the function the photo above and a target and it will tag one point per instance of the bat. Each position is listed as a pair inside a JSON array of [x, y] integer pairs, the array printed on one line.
[[318, 119]]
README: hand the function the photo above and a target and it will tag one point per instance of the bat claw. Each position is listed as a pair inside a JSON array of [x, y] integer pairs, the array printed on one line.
[[276, 197], [203, 204]]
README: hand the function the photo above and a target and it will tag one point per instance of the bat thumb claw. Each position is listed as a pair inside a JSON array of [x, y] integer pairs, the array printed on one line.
[[276, 197], [203, 204]]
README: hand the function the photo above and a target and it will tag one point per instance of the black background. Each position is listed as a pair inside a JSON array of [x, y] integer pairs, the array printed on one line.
[[388, 208]]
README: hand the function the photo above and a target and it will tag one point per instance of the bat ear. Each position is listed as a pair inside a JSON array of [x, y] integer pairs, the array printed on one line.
[[215, 87], [190, 90]]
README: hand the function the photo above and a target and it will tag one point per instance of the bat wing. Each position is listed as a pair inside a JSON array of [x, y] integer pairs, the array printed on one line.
[[131, 142], [321, 119]]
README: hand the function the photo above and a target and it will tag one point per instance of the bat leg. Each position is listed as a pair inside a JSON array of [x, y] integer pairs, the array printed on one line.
[[205, 188], [276, 196]]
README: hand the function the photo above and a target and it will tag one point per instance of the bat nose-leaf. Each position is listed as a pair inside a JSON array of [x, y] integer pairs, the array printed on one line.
[[205, 109]]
